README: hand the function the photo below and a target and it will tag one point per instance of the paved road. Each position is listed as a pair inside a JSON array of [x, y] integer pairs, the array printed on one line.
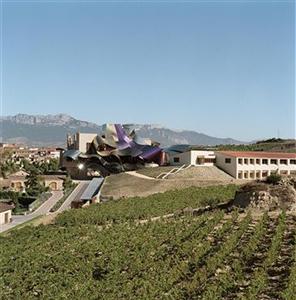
[[75, 195], [42, 210], [47, 205]]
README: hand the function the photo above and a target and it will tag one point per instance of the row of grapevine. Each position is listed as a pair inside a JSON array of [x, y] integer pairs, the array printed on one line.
[[259, 279], [183, 257], [151, 206], [192, 286], [290, 291], [79, 257], [226, 281], [195, 252]]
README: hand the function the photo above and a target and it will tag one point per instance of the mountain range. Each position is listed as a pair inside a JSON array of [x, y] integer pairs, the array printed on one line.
[[51, 130]]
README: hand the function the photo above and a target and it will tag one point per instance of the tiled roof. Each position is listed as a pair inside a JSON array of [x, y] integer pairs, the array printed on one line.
[[259, 154], [52, 177], [5, 207]]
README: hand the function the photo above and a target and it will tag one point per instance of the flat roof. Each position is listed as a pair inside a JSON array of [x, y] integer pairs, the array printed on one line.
[[258, 154], [92, 188]]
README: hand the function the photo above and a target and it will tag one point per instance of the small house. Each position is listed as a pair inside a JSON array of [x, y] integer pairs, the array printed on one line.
[[5, 213]]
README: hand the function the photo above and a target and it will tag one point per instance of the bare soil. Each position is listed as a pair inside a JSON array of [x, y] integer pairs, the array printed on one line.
[[125, 185]]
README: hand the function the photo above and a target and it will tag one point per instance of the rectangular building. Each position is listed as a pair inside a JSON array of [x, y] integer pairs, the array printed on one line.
[[256, 164], [5, 213], [192, 157], [80, 141]]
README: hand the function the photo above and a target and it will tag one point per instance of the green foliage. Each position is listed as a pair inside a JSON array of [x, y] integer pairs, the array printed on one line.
[[40, 167], [290, 291], [50, 166], [68, 183], [7, 167], [273, 178], [33, 185], [259, 279], [29, 167], [13, 196], [272, 140], [266, 145], [86, 256], [151, 206]]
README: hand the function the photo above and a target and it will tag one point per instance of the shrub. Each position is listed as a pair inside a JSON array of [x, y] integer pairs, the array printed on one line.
[[273, 178]]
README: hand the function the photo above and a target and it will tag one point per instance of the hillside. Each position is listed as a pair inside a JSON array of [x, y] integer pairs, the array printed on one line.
[[115, 250], [43, 130], [48, 130], [272, 145]]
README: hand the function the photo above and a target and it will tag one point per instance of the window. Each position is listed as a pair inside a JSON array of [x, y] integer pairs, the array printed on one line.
[[252, 175], [258, 161], [273, 161], [292, 172], [240, 175], [209, 160], [252, 161], [258, 174], [176, 159], [246, 175], [283, 161], [240, 161], [264, 173], [264, 161], [284, 172], [293, 161], [246, 161], [228, 160]]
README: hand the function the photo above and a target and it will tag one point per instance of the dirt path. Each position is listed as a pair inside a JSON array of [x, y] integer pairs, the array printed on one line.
[[136, 174]]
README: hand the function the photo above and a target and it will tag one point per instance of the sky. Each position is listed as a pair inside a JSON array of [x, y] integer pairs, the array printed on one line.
[[223, 68]]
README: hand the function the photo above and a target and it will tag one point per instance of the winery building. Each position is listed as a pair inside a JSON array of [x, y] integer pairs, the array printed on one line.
[[256, 165]]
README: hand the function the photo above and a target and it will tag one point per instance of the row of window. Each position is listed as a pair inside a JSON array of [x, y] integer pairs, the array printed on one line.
[[261, 174], [264, 161]]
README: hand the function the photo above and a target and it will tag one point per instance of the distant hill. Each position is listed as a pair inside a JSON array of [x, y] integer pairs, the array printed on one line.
[[271, 145], [43, 130]]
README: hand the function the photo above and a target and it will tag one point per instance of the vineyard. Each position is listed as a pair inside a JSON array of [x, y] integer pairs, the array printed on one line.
[[103, 252]]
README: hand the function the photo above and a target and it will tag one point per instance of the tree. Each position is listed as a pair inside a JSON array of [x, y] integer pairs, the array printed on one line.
[[28, 167], [33, 185], [53, 164], [68, 183], [48, 166], [7, 167]]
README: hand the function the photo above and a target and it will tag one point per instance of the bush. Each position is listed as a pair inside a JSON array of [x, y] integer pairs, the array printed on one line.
[[273, 178], [26, 200]]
